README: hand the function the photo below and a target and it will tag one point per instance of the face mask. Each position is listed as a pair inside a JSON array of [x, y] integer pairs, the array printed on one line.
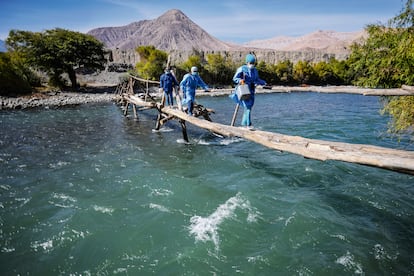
[[250, 66], [194, 73]]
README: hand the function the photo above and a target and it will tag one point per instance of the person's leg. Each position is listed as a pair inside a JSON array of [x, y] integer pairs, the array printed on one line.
[[171, 99], [190, 107], [167, 94], [246, 121]]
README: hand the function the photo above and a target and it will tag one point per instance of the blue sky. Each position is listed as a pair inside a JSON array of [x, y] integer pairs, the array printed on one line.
[[233, 20]]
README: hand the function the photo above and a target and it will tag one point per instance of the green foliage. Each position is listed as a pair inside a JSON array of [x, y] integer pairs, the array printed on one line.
[[340, 70], [58, 51], [284, 72], [401, 110], [323, 72], [13, 79], [332, 72], [303, 72], [194, 60], [267, 72], [218, 70], [386, 60], [152, 64]]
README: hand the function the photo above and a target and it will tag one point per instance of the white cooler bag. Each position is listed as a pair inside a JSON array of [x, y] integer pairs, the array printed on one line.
[[243, 92]]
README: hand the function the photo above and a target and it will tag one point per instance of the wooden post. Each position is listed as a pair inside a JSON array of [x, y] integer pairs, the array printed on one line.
[[131, 86], [135, 111], [146, 90], [235, 114], [163, 99], [158, 123], [184, 130], [126, 108], [178, 98]]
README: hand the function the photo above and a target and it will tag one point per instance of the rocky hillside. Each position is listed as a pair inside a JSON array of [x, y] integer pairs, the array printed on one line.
[[327, 41], [175, 33], [171, 31]]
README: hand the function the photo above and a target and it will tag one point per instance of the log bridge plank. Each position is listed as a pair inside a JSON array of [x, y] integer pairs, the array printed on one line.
[[386, 158]]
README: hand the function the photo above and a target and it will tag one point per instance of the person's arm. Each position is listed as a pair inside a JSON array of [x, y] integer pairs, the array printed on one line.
[[258, 80], [175, 82], [183, 82], [238, 76], [201, 83], [162, 81]]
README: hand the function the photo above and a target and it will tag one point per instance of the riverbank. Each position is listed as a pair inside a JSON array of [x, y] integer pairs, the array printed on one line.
[[57, 99], [99, 94]]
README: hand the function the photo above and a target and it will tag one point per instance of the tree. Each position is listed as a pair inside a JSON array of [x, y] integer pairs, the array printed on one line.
[[266, 72], [12, 78], [58, 51], [340, 71], [284, 72], [194, 60], [303, 72], [386, 60], [219, 69], [332, 72], [152, 62]]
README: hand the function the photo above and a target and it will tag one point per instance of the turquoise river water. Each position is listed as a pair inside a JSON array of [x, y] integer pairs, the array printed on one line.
[[87, 191]]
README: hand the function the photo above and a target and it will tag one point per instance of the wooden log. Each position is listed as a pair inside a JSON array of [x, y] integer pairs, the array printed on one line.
[[143, 80], [408, 88], [165, 119], [391, 159], [138, 101], [403, 91]]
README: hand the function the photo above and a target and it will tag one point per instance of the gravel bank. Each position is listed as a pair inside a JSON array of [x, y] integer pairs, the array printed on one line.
[[55, 99]]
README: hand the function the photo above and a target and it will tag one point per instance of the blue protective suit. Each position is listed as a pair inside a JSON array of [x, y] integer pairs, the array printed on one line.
[[188, 86], [251, 78], [167, 82]]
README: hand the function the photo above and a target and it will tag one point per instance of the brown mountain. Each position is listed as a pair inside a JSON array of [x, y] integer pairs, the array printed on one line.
[[171, 31], [175, 33], [327, 41]]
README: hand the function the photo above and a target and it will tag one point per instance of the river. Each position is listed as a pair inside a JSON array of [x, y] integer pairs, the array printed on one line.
[[87, 191]]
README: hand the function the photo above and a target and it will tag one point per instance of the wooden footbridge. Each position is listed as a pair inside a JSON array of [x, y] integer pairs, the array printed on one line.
[[386, 158]]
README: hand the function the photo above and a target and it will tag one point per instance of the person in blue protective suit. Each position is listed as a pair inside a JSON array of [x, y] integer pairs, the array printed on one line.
[[248, 74], [167, 83], [188, 85]]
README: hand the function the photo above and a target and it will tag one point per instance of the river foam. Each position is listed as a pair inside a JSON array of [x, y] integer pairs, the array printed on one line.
[[205, 229]]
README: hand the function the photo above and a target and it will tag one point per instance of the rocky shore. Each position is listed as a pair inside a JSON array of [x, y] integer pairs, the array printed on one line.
[[54, 99]]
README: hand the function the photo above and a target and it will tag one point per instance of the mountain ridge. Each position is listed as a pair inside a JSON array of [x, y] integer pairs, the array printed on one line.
[[177, 34], [330, 41], [172, 30]]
